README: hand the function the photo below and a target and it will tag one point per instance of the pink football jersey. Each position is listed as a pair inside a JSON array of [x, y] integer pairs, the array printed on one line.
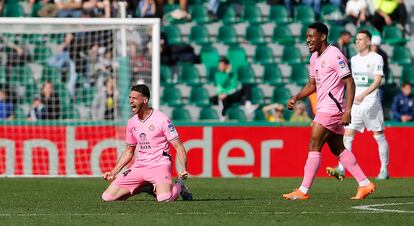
[[151, 138], [328, 69]]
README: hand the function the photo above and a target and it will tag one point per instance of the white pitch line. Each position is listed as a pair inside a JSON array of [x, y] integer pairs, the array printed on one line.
[[372, 207]]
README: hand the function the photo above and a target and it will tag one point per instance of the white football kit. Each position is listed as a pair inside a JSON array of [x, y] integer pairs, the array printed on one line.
[[368, 114]]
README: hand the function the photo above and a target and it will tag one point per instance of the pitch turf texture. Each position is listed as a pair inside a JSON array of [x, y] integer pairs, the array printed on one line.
[[39, 201]]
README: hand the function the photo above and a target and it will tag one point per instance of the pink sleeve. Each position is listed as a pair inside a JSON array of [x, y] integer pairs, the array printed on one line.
[[311, 68], [168, 128], [340, 64], [129, 136]]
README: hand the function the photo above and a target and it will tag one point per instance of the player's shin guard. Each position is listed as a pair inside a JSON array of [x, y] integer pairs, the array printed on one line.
[[348, 145], [311, 168], [348, 159], [383, 150]]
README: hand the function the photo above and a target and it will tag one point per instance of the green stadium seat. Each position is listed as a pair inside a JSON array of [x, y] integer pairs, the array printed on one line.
[[13, 9], [2, 75], [181, 114], [246, 75], [168, 8], [42, 54], [85, 95], [199, 14], [172, 96], [255, 35], [235, 113], [283, 35], [227, 14], [334, 32], [281, 95], [196, 2], [392, 35], [210, 57], [173, 35], [401, 55], [253, 14], [259, 115], [227, 35], [21, 75], [200, 35], [279, 15], [369, 28], [258, 96], [208, 113], [20, 113], [303, 14], [407, 75], [199, 96], [299, 74], [272, 75], [189, 75], [291, 55], [331, 13], [237, 57], [264, 55], [166, 75]]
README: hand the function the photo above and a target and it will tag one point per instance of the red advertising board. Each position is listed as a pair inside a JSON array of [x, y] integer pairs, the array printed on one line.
[[218, 151]]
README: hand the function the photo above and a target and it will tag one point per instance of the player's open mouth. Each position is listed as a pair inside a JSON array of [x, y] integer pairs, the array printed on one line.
[[133, 107], [310, 45]]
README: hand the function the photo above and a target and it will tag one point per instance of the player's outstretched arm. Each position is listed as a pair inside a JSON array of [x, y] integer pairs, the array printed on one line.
[[307, 90], [125, 158], [350, 95], [182, 157]]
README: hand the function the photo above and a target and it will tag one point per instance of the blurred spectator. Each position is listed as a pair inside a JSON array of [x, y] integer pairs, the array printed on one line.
[[403, 104], [178, 14], [274, 112], [356, 11], [106, 65], [6, 107], [343, 43], [51, 102], [376, 47], [147, 8], [227, 83], [69, 8], [105, 101], [316, 4], [389, 11], [299, 113], [97, 8], [43, 8], [287, 3], [62, 60], [37, 111], [17, 54]]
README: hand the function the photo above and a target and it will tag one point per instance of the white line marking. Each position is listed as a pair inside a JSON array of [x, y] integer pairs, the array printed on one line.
[[371, 207]]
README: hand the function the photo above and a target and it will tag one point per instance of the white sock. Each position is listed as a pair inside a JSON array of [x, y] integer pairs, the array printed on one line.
[[363, 183], [383, 150], [348, 145], [305, 190]]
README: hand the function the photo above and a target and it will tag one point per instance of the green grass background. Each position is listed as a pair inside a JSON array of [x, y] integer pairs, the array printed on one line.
[[68, 201]]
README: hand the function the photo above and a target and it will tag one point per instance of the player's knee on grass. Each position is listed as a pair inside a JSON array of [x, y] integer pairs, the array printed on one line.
[[164, 197], [107, 197]]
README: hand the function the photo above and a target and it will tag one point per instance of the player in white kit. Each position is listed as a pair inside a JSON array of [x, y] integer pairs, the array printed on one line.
[[367, 113]]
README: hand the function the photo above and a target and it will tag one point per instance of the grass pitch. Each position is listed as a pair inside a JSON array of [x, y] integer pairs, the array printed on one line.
[[39, 201]]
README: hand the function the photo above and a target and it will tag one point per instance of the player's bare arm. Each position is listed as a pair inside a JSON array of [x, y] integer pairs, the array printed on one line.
[[125, 158], [182, 157], [307, 90], [374, 85], [350, 95]]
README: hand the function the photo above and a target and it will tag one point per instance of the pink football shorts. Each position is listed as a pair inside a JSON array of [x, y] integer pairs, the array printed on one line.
[[330, 121], [137, 176]]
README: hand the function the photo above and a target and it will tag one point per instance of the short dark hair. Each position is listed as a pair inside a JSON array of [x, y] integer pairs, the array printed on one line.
[[143, 89], [345, 32], [320, 28], [224, 60], [404, 84], [366, 32]]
